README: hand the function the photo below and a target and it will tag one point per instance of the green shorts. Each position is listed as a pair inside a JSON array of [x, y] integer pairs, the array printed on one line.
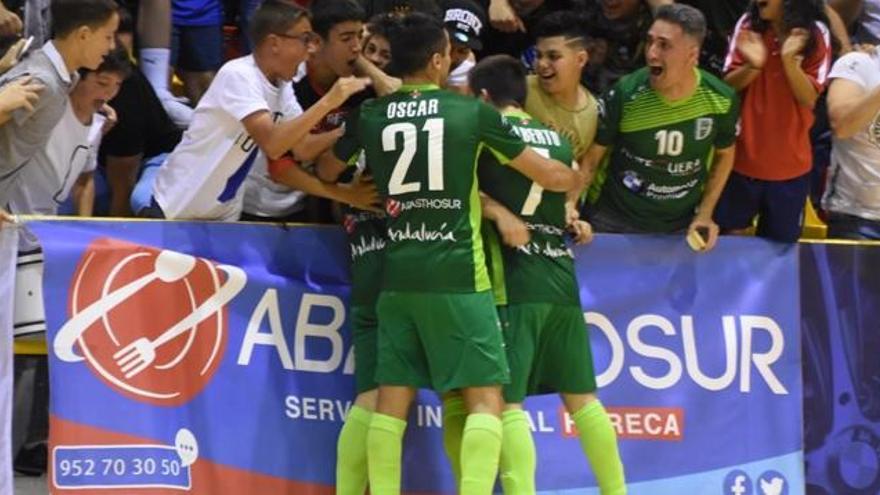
[[548, 349], [364, 329], [441, 341]]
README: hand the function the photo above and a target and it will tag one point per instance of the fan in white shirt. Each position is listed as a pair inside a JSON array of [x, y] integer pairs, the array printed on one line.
[[67, 162], [852, 195], [249, 107]]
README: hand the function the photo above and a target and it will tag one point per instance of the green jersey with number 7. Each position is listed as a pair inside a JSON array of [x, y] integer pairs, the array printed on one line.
[[543, 269], [422, 145]]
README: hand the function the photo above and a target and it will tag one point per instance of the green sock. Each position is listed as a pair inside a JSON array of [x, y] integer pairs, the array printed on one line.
[[384, 447], [480, 450], [454, 416], [518, 458], [599, 443], [351, 453]]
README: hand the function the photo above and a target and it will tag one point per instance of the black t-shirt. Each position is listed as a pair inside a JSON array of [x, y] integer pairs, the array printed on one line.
[[621, 41], [307, 95], [143, 127], [320, 210], [515, 44]]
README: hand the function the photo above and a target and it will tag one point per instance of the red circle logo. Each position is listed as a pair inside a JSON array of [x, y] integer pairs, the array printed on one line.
[[150, 323]]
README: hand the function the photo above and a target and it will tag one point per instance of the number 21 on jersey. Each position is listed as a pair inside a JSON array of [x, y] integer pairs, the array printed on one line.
[[409, 131]]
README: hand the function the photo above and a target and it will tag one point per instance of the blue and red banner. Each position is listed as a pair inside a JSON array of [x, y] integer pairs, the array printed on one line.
[[216, 359]]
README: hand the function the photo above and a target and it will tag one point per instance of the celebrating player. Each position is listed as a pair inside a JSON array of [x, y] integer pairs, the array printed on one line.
[[544, 331], [670, 129], [437, 322]]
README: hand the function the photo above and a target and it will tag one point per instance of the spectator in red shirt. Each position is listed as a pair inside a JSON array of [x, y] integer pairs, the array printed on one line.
[[779, 60]]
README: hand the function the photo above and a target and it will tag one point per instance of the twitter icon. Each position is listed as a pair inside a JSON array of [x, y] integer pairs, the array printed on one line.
[[772, 483]]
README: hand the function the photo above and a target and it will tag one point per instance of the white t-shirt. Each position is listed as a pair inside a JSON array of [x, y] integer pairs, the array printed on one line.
[[202, 178], [459, 76], [854, 177], [71, 150], [265, 197]]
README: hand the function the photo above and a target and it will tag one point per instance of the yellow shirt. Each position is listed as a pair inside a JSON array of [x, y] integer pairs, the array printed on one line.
[[578, 126]]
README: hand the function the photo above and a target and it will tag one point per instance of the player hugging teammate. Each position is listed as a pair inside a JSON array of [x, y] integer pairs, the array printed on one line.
[[443, 161]]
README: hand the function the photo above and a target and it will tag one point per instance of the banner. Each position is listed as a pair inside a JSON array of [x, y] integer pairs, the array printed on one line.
[[216, 359], [841, 368], [8, 252]]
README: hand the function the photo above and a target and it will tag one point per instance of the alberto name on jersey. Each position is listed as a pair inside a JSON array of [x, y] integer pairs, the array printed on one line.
[[543, 269]]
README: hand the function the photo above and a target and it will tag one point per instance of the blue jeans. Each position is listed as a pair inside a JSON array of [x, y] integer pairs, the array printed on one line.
[[142, 194]]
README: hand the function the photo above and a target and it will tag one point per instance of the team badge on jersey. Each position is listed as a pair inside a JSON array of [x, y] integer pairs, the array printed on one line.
[[703, 128]]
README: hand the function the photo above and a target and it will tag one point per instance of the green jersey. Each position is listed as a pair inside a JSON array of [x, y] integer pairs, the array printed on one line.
[[661, 151], [543, 269], [422, 144], [366, 240]]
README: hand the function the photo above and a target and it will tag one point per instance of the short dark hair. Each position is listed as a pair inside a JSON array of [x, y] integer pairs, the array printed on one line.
[[126, 21], [117, 61], [273, 17], [329, 13], [503, 77], [380, 24], [566, 23], [69, 15], [688, 18], [796, 14], [414, 39]]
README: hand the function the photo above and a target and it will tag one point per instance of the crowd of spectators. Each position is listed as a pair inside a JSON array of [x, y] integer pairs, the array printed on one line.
[[742, 119], [147, 108]]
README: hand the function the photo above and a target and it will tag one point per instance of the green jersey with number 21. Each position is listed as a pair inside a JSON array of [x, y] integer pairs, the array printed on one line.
[[422, 145]]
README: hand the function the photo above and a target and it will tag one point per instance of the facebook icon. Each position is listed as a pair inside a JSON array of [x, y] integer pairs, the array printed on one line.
[[737, 483]]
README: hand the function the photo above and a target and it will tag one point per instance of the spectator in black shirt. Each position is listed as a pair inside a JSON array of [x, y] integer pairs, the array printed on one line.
[[512, 23], [143, 131], [617, 30]]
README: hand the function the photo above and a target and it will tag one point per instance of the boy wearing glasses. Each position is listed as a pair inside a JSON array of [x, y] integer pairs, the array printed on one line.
[[277, 190], [248, 109]]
